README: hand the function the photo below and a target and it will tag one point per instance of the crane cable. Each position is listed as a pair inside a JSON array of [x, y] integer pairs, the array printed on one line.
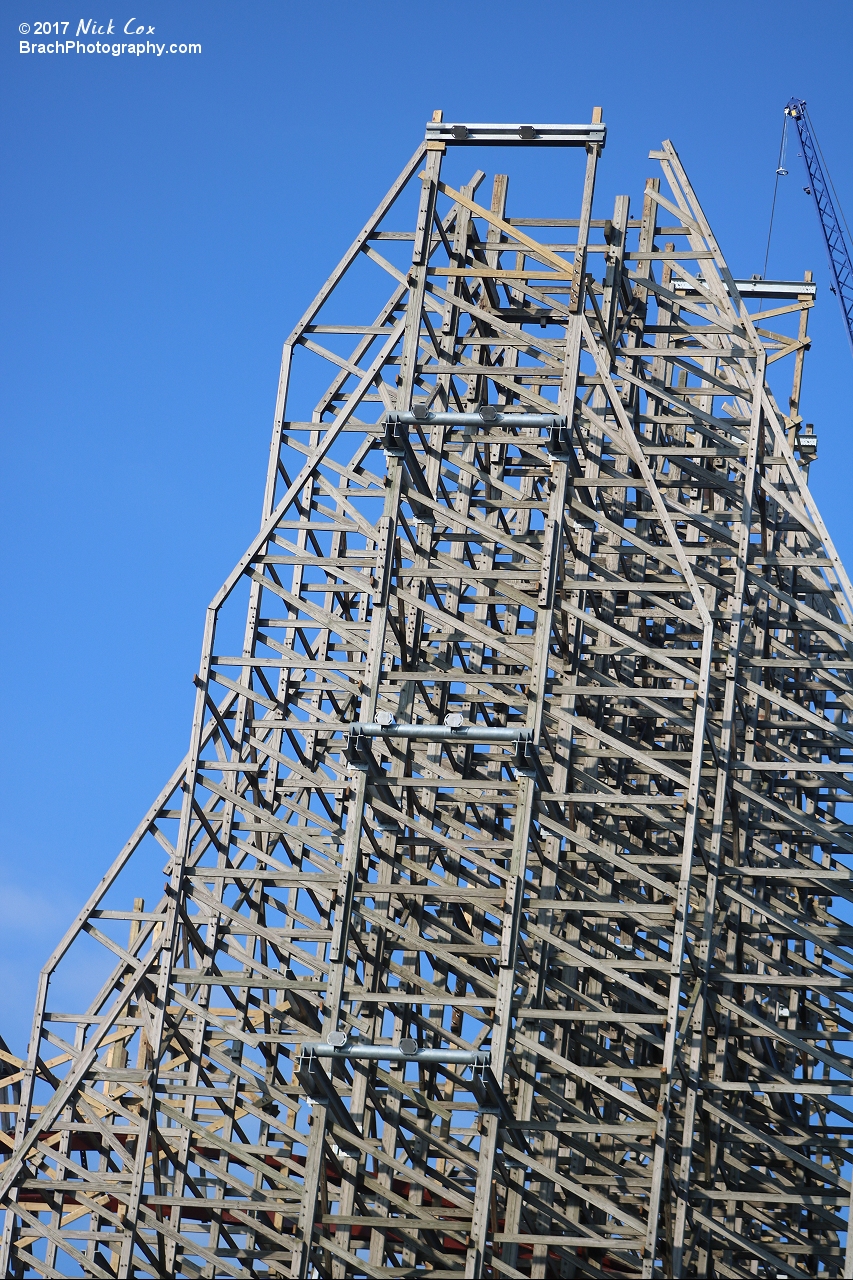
[[781, 172]]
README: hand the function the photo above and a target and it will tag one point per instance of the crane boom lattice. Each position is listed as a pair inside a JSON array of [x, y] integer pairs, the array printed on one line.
[[837, 249]]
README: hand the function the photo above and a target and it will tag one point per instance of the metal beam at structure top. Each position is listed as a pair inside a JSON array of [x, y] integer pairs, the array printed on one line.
[[513, 135], [756, 288]]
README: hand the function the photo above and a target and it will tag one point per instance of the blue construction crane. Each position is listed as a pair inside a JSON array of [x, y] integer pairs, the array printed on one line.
[[840, 266]]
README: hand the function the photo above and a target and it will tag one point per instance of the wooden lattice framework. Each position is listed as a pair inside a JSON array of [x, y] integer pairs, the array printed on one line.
[[506, 929]]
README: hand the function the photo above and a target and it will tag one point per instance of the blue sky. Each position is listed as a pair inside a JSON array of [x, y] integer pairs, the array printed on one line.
[[166, 221]]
